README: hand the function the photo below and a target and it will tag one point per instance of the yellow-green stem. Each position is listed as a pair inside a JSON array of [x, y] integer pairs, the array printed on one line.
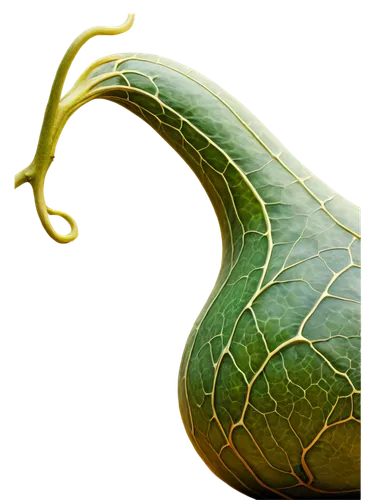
[[53, 123]]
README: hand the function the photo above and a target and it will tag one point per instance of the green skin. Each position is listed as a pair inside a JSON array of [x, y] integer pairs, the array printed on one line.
[[269, 384]]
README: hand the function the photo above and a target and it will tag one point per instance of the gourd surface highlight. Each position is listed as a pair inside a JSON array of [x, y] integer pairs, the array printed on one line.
[[269, 384]]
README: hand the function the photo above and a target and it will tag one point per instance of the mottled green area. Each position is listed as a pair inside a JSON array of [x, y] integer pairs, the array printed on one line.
[[331, 467], [269, 380]]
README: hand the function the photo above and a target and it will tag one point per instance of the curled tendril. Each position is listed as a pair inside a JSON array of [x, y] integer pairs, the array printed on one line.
[[53, 123], [73, 226]]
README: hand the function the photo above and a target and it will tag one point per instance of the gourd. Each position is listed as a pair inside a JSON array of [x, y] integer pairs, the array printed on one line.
[[269, 384]]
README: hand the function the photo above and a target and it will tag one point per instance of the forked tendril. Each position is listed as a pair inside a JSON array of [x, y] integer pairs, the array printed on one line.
[[54, 121]]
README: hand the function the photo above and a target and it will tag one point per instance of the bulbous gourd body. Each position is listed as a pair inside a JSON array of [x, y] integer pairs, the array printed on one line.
[[269, 380]]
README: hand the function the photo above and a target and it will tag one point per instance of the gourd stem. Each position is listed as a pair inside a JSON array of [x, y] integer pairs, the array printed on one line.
[[36, 172], [62, 71]]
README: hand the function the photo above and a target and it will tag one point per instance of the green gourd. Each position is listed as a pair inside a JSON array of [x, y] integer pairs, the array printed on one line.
[[269, 384]]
